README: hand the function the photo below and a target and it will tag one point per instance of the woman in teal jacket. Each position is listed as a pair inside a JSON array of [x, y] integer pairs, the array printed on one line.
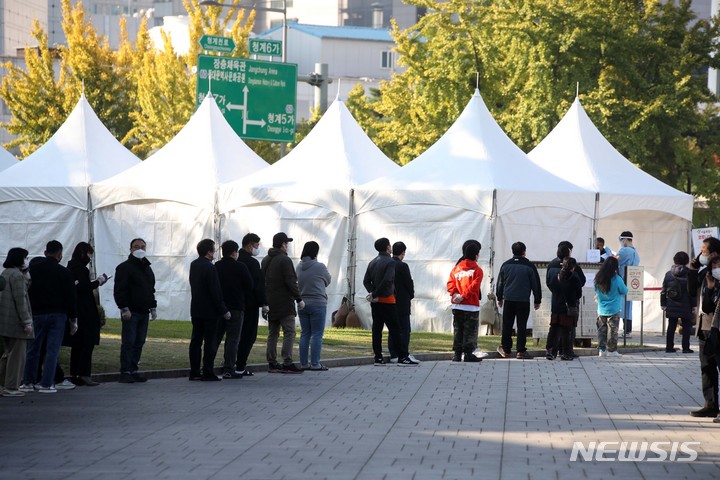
[[611, 291]]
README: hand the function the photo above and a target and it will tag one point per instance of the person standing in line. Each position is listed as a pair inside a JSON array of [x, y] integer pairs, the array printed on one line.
[[564, 250], [605, 252], [404, 293], [235, 280], [379, 281], [281, 286], [627, 257], [678, 302], [53, 302], [610, 290], [134, 293], [464, 289], [254, 300], [566, 289], [206, 309], [518, 278], [16, 322], [313, 279], [88, 335]]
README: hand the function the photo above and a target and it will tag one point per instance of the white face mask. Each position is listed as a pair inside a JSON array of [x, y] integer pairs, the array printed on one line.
[[704, 259], [716, 273], [25, 265], [255, 251], [139, 254]]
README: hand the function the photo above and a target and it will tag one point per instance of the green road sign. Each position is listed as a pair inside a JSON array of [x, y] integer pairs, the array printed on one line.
[[257, 98], [271, 48], [215, 43]]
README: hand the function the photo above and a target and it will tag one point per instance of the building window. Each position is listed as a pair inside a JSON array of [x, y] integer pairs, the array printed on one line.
[[388, 61]]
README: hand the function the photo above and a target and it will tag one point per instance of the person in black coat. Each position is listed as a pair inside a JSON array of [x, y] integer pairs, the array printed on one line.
[[254, 300], [88, 334], [678, 302], [566, 288], [404, 293], [206, 309], [564, 250]]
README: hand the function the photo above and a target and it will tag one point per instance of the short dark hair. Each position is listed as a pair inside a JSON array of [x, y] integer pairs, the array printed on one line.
[[713, 244], [250, 238], [518, 248], [310, 249], [135, 240], [15, 257], [600, 239], [681, 258], [563, 251], [53, 247], [204, 246], [381, 244], [81, 251], [471, 251], [229, 247], [398, 248], [565, 243]]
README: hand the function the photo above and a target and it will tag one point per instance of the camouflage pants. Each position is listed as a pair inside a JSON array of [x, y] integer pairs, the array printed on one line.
[[603, 324]]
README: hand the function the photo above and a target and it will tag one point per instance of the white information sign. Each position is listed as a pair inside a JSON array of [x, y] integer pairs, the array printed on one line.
[[700, 234], [635, 284], [593, 256]]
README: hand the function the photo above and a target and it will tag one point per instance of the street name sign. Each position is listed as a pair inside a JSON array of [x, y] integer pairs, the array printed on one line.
[[270, 48], [257, 98], [215, 43]]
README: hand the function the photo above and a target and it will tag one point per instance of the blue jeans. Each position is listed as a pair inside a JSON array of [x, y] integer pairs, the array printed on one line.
[[49, 330], [134, 332], [312, 328]]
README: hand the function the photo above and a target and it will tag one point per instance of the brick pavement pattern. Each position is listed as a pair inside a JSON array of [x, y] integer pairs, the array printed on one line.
[[504, 419]]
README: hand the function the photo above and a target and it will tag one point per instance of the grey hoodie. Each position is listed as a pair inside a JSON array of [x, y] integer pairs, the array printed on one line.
[[313, 278]]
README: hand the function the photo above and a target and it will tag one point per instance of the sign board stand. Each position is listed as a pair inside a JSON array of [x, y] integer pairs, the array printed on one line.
[[636, 292]]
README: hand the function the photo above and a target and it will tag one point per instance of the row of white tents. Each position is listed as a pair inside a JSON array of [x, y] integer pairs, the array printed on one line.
[[337, 188]]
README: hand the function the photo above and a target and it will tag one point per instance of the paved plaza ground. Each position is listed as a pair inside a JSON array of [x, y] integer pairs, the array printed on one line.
[[500, 419]]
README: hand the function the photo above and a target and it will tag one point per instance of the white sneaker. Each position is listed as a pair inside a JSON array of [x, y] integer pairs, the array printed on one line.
[[27, 387], [41, 389], [65, 385], [614, 354], [393, 359], [413, 359], [480, 354], [602, 353]]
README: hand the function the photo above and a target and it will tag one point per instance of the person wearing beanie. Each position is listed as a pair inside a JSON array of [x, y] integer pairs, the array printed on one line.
[[627, 257], [283, 295], [464, 289], [379, 281]]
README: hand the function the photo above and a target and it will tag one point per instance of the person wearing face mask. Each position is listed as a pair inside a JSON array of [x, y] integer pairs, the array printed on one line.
[[88, 335], [678, 302], [627, 257], [701, 278], [254, 300], [16, 322], [134, 294]]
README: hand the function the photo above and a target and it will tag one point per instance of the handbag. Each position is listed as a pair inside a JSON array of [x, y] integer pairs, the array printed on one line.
[[572, 311]]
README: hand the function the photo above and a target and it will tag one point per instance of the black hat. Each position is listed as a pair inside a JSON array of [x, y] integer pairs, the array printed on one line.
[[280, 238]]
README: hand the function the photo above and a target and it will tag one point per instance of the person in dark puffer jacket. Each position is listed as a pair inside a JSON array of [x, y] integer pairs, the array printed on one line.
[[678, 310]]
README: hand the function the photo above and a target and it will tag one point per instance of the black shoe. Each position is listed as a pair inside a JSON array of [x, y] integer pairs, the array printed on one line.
[[688, 351], [705, 412], [457, 358], [567, 358], [549, 355], [408, 362], [209, 377], [138, 378], [380, 362], [229, 375], [523, 355], [292, 368], [469, 357], [126, 378], [245, 373], [194, 377], [274, 368], [670, 350], [574, 355]]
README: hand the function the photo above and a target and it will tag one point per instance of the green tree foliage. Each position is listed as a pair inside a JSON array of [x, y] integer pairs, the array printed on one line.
[[40, 102], [639, 65]]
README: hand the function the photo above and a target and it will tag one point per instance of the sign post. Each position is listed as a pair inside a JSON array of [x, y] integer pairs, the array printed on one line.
[[257, 98], [636, 291]]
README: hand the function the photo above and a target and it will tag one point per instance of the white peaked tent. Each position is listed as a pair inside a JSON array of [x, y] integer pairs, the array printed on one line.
[[45, 196], [7, 159], [309, 194], [169, 200], [474, 182], [627, 199]]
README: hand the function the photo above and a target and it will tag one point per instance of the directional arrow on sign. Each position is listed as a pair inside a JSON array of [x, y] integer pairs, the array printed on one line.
[[216, 43]]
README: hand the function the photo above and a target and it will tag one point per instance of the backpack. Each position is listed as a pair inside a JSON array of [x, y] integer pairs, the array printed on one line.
[[673, 291]]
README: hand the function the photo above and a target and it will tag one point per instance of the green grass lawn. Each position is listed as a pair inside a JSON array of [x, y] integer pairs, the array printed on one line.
[[168, 340]]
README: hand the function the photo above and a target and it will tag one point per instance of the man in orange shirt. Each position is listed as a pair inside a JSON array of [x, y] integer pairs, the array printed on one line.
[[379, 281]]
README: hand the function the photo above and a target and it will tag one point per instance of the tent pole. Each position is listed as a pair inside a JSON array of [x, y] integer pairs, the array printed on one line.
[[595, 220], [351, 247], [493, 223], [91, 230]]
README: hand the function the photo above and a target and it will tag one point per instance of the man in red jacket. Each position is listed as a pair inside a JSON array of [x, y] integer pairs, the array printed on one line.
[[464, 288]]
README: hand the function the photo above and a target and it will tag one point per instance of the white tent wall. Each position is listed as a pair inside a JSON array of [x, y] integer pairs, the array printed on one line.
[[434, 235], [303, 222], [657, 236]]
